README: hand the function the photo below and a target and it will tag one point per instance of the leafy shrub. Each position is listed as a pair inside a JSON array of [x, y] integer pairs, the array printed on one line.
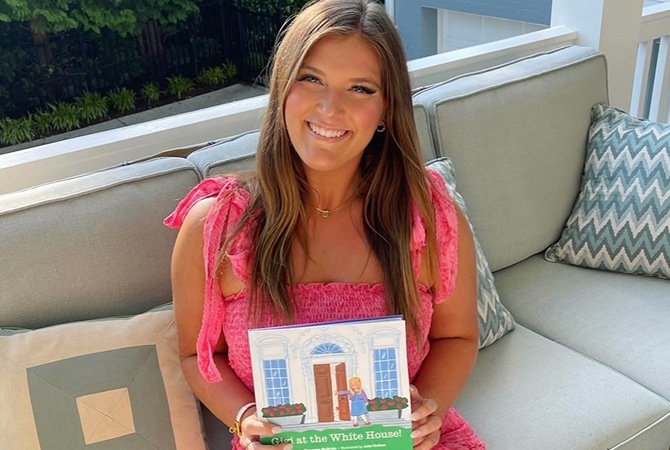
[[229, 69], [288, 409], [150, 92], [179, 85], [64, 116], [123, 99], [42, 122], [16, 131], [212, 76], [383, 404], [91, 106]]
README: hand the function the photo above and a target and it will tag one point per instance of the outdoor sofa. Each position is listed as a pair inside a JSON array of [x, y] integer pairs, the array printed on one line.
[[587, 366]]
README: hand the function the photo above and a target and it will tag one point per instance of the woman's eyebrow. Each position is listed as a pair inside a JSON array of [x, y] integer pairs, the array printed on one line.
[[356, 80]]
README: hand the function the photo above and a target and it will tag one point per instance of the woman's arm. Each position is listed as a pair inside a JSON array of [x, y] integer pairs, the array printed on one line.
[[454, 332], [225, 398]]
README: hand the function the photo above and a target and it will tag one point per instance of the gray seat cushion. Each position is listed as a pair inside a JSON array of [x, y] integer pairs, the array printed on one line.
[[620, 320], [228, 156], [90, 246], [529, 393], [517, 137]]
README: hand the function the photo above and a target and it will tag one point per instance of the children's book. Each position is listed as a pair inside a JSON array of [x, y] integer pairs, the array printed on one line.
[[334, 385]]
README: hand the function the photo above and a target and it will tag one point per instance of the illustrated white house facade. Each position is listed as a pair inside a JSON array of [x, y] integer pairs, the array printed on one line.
[[312, 365]]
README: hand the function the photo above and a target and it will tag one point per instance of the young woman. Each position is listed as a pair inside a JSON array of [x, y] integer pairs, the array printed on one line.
[[339, 221]]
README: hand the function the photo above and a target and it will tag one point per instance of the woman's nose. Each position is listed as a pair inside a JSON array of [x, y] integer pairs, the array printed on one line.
[[331, 103]]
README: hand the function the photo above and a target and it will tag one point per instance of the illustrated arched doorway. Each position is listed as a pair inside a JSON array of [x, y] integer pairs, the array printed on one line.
[[328, 360]]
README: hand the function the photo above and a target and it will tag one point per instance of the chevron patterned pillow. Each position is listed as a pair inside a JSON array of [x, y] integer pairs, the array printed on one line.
[[494, 319], [621, 220]]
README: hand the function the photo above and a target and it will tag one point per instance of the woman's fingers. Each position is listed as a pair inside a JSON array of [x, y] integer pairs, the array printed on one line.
[[425, 425], [416, 401], [417, 441], [251, 426], [428, 442], [430, 427], [421, 407], [418, 423]]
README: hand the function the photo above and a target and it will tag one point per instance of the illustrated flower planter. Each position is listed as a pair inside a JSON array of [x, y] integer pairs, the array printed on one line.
[[388, 414], [386, 407], [287, 414], [288, 420]]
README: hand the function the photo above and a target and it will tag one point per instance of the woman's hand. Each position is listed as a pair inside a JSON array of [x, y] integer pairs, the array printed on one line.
[[253, 429], [425, 424]]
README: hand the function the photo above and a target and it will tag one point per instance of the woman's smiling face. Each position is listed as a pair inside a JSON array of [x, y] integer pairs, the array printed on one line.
[[335, 104]]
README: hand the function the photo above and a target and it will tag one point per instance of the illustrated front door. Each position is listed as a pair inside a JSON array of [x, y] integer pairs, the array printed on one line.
[[324, 393], [342, 400]]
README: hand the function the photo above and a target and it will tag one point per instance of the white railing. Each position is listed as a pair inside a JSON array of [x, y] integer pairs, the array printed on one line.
[[650, 87], [84, 154]]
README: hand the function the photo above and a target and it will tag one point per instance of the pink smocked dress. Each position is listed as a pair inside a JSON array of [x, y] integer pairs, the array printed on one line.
[[313, 302]]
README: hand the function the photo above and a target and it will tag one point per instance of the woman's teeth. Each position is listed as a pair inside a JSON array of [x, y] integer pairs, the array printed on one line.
[[325, 133]]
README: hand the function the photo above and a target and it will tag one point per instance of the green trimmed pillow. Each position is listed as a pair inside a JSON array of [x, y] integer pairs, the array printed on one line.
[[494, 319], [621, 219], [109, 383]]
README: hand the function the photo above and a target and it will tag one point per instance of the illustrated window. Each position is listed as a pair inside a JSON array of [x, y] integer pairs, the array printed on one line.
[[276, 381], [386, 372]]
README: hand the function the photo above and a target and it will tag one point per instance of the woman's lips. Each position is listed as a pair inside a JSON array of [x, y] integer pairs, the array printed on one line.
[[324, 138]]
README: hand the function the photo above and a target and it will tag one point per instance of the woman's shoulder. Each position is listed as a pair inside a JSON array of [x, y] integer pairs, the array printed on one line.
[[446, 232], [209, 194], [442, 204]]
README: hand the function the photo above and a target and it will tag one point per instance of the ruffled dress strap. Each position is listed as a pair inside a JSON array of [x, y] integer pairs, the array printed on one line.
[[225, 213], [446, 230]]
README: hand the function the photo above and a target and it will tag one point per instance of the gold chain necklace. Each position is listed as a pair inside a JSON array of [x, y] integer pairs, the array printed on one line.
[[326, 212]]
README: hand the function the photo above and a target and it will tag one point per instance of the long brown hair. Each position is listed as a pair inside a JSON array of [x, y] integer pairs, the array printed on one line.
[[391, 167]]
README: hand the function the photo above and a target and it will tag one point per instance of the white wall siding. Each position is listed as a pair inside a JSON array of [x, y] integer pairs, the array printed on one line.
[[458, 30]]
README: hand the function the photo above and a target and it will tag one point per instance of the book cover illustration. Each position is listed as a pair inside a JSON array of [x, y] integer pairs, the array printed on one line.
[[334, 385]]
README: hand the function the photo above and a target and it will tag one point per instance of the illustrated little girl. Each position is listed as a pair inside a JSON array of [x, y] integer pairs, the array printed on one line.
[[359, 400]]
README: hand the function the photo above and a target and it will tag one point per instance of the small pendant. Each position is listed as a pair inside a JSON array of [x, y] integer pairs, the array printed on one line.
[[325, 213]]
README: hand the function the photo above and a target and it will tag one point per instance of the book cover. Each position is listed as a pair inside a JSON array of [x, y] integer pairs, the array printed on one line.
[[334, 385]]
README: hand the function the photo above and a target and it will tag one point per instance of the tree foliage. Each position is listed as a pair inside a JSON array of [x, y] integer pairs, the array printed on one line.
[[126, 17], [129, 16], [43, 16]]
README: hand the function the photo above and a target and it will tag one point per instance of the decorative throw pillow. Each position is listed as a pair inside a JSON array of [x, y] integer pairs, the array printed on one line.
[[101, 384], [494, 319], [621, 220]]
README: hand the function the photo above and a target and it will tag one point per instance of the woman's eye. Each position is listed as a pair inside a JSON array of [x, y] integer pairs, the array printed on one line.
[[363, 90], [309, 78]]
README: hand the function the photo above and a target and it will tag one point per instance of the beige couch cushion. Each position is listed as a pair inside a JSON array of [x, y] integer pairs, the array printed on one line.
[[90, 246], [112, 384], [517, 137], [529, 393], [620, 320]]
